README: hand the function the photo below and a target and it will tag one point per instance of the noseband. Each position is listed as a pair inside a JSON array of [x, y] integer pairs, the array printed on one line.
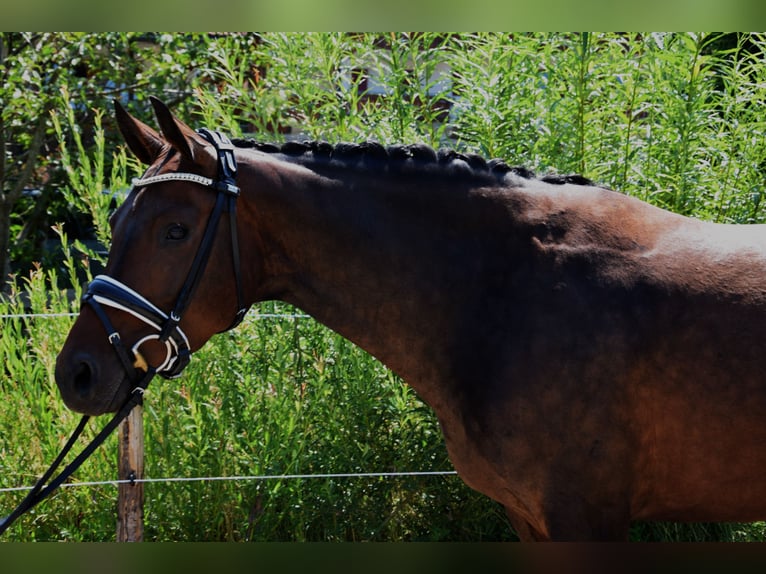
[[108, 291]]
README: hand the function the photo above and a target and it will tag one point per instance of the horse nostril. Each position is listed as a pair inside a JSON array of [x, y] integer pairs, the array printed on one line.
[[82, 379]]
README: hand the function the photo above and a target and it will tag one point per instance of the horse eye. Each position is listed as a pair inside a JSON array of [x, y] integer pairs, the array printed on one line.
[[176, 232]]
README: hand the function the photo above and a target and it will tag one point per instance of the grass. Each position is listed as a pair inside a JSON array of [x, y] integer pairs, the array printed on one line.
[[657, 116], [279, 396], [300, 400]]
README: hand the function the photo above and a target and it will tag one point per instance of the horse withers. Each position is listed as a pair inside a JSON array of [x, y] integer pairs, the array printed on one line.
[[592, 359]]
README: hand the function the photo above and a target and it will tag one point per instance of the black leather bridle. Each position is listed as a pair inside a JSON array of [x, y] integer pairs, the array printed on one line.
[[105, 291]]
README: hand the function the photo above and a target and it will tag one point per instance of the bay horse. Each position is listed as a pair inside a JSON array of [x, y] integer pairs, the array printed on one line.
[[592, 360]]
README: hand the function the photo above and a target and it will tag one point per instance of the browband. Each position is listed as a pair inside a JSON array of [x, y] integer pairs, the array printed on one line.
[[192, 177]]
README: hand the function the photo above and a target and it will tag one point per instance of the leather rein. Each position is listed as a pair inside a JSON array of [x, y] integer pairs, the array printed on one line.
[[104, 291]]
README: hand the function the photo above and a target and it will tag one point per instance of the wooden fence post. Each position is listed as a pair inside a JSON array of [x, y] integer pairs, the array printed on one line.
[[130, 503]]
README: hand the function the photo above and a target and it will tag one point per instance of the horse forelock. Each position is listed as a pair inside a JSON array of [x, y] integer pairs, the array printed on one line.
[[372, 155]]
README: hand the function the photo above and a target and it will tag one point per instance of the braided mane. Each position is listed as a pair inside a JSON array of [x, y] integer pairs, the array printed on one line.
[[410, 155]]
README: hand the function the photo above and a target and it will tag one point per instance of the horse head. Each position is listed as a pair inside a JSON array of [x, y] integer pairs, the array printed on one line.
[[170, 267]]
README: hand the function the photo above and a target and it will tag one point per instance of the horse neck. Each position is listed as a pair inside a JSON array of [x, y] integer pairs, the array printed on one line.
[[368, 256]]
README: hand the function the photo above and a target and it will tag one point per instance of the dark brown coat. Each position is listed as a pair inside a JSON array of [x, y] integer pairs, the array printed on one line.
[[592, 360]]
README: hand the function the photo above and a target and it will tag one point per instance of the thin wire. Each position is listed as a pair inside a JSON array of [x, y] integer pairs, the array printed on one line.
[[37, 315], [225, 478], [280, 316], [253, 317], [261, 477]]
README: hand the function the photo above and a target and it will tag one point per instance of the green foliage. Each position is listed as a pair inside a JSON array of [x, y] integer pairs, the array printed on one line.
[[86, 171], [91, 69], [316, 83], [674, 119], [290, 397], [278, 396], [656, 116]]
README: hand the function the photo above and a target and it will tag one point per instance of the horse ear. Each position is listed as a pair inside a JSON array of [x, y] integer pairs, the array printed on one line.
[[181, 136], [145, 143]]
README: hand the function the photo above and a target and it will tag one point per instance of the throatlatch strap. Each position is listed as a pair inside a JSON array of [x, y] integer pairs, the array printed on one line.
[[241, 307], [227, 174]]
